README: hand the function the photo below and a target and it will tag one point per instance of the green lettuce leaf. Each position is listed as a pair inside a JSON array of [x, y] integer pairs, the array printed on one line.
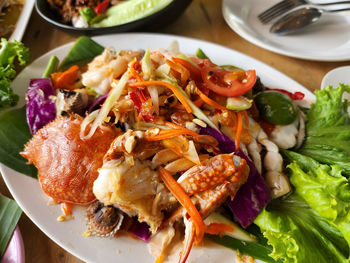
[[8, 52], [328, 129], [299, 234], [326, 191]]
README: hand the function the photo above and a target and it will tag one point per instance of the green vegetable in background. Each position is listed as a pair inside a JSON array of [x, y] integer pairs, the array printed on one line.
[[9, 216], [299, 234], [8, 52], [328, 129], [87, 13]]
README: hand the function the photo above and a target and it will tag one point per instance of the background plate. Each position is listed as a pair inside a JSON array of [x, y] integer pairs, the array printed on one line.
[[22, 21], [326, 40], [33, 201]]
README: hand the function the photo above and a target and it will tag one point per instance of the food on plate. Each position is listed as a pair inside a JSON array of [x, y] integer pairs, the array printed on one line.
[[8, 53], [172, 148], [9, 13], [104, 13], [67, 165]]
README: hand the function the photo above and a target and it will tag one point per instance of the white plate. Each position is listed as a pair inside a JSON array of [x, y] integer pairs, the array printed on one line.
[[68, 234], [22, 21], [326, 40], [336, 76]]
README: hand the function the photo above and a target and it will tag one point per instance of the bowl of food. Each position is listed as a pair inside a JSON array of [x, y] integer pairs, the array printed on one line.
[[101, 17]]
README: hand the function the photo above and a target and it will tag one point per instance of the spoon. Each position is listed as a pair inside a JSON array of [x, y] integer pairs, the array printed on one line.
[[298, 19]]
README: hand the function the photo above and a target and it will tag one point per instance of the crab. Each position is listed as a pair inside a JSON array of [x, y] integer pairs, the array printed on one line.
[[130, 181], [67, 165], [209, 184]]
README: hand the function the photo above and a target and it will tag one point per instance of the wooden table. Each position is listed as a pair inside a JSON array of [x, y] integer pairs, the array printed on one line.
[[202, 20]]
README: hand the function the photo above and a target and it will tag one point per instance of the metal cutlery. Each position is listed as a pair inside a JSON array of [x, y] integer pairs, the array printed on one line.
[[286, 5], [300, 18]]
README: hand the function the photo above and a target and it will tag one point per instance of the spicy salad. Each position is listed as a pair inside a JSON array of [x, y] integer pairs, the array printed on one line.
[[171, 146]]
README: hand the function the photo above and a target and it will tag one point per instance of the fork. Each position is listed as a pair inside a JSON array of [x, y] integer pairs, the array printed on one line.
[[286, 5]]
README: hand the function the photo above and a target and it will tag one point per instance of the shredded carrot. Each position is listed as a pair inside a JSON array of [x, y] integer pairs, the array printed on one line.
[[65, 79], [218, 228], [185, 74], [198, 102], [210, 101], [185, 201], [239, 129], [166, 134], [174, 89], [173, 125], [67, 209], [246, 118], [185, 130]]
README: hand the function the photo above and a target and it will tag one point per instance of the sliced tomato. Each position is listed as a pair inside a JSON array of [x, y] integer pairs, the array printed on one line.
[[294, 96], [227, 83]]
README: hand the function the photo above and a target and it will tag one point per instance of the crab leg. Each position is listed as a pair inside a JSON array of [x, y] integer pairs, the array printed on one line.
[[209, 173], [189, 239], [210, 198]]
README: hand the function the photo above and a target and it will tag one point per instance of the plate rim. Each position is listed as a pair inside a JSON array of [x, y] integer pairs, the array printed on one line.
[[241, 32], [4, 169]]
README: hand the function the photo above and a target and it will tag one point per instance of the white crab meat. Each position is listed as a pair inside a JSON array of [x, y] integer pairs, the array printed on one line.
[[160, 242], [134, 187]]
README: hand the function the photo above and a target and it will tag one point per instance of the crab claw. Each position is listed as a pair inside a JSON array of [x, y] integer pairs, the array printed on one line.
[[188, 242], [209, 173]]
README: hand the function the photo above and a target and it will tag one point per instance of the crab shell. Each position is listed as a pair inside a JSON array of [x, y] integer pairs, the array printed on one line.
[[67, 165]]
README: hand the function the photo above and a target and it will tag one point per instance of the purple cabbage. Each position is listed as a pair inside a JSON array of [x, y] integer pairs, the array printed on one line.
[[141, 230], [254, 195], [97, 102], [40, 103]]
